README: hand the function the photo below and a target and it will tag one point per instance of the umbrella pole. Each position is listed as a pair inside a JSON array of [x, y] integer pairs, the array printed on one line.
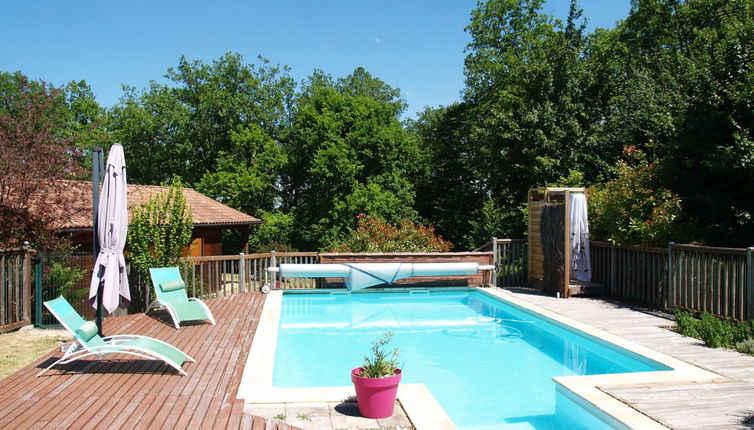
[[98, 316], [97, 172]]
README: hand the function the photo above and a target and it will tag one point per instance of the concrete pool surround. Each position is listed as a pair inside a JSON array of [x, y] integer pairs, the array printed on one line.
[[423, 409]]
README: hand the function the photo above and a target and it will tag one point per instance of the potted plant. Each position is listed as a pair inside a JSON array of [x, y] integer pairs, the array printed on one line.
[[376, 381]]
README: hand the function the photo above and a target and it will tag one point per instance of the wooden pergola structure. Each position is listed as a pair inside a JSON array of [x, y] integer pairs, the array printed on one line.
[[538, 200]]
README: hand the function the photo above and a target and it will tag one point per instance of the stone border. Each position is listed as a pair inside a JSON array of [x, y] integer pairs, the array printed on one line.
[[423, 409], [590, 387]]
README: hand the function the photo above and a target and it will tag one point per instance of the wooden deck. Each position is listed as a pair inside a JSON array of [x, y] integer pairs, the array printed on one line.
[[723, 405], [122, 392]]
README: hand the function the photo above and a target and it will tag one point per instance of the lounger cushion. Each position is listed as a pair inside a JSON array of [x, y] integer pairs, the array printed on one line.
[[172, 285], [87, 331]]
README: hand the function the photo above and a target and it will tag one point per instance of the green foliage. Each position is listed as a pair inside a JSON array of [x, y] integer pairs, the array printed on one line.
[[274, 234], [65, 278], [381, 363], [686, 323], [633, 209], [544, 99], [696, 56], [61, 276], [246, 177], [347, 154], [225, 111], [746, 346], [716, 332], [160, 230], [375, 235]]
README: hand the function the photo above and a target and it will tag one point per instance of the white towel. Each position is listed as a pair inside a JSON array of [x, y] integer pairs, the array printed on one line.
[[581, 264]]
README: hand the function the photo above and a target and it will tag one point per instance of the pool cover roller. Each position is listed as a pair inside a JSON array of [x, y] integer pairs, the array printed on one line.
[[362, 275]]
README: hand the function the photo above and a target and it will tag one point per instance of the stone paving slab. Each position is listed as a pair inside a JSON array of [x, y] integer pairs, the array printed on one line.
[[328, 416]]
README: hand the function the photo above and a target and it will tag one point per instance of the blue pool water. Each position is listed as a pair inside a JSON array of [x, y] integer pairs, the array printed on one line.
[[488, 363]]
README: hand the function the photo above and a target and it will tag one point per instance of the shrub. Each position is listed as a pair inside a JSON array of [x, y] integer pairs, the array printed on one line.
[[160, 230], [714, 331], [686, 323], [633, 209], [375, 235], [746, 347], [65, 279]]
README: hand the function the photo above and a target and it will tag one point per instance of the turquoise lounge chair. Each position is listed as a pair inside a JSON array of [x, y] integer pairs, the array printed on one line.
[[87, 342], [171, 294]]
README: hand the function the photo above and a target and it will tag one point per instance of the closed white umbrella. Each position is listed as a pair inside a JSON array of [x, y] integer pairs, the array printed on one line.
[[112, 228]]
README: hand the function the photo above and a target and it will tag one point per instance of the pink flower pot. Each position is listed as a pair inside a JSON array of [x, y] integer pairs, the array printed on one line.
[[376, 396]]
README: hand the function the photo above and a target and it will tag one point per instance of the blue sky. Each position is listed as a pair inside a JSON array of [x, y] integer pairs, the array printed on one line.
[[415, 45]]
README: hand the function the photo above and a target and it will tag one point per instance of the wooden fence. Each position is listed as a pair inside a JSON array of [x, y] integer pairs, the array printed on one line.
[[510, 261], [632, 272], [15, 288], [698, 278]]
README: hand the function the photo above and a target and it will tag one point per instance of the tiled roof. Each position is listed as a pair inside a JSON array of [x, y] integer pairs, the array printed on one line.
[[205, 211]]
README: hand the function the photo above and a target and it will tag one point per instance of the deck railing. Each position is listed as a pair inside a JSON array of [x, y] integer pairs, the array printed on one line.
[[510, 261], [15, 288], [223, 275]]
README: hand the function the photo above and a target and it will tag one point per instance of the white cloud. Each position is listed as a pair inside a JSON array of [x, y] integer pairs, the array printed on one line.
[[377, 40]]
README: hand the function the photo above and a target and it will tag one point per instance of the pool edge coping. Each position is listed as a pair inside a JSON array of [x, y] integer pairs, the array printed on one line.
[[592, 388], [423, 409]]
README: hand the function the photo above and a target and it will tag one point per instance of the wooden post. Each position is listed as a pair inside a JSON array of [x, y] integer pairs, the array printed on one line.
[[241, 273], [495, 262], [565, 289], [38, 290], [244, 232], [26, 287], [670, 302], [530, 244], [749, 285], [273, 263], [611, 287]]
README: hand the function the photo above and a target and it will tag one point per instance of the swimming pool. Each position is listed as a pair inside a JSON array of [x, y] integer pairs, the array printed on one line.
[[489, 363]]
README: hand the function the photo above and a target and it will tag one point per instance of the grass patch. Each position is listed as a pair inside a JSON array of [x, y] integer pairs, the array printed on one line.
[[21, 347]]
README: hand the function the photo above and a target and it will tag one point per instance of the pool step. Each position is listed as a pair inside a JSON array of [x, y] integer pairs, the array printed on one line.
[[582, 288]]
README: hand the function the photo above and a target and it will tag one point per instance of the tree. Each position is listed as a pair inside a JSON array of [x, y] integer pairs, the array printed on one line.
[[347, 153], [188, 127], [246, 178], [86, 120], [274, 233], [676, 79], [449, 184], [35, 151], [523, 123], [160, 230]]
